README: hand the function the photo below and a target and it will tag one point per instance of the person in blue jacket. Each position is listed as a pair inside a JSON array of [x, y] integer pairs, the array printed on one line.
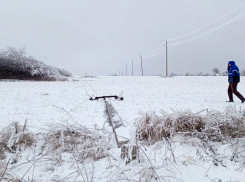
[[233, 79]]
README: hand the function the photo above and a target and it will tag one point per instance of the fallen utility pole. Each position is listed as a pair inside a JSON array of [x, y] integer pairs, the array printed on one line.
[[108, 113], [104, 97], [127, 151]]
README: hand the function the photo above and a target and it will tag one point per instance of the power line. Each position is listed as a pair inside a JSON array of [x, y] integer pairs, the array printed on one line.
[[160, 48], [155, 53], [208, 24], [160, 51], [137, 61], [134, 60], [231, 21]]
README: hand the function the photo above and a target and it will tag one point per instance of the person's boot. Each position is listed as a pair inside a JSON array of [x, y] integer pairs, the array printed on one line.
[[231, 101], [243, 101]]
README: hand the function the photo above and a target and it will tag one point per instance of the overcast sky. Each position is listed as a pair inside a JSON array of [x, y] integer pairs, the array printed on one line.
[[100, 37]]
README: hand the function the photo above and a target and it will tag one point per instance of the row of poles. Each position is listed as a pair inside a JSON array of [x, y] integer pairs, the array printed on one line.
[[182, 42], [141, 61]]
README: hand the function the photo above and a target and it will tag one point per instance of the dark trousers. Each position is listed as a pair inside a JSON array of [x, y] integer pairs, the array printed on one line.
[[233, 89]]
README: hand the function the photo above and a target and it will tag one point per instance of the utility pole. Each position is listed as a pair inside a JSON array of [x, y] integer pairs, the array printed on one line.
[[126, 71], [132, 68], [166, 58], [141, 65], [122, 71]]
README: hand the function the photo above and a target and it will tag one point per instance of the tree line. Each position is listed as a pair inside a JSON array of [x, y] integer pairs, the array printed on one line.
[[15, 64]]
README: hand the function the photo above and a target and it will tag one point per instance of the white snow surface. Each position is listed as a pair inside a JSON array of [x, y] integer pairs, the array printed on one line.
[[42, 103], [47, 102]]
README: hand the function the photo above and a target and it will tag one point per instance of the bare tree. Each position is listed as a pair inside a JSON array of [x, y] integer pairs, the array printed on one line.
[[216, 71], [187, 74], [15, 54]]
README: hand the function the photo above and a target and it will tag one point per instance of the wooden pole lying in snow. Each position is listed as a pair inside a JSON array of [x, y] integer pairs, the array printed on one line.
[[108, 113], [128, 152], [113, 128]]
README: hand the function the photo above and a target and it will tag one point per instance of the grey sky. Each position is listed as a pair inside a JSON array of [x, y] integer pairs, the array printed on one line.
[[99, 37]]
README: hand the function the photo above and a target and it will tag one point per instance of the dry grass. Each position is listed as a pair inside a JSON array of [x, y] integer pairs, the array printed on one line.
[[2, 168], [150, 127], [184, 122], [16, 137], [2, 155], [215, 126], [5, 175], [222, 126], [77, 139]]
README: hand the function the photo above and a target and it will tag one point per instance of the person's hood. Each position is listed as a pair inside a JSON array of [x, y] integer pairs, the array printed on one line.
[[232, 63]]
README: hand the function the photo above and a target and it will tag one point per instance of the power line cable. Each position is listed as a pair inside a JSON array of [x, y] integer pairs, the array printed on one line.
[[207, 24], [137, 61], [159, 49], [155, 53], [231, 21], [136, 58]]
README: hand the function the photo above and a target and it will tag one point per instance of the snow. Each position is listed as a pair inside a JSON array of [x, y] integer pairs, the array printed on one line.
[[43, 103], [47, 102]]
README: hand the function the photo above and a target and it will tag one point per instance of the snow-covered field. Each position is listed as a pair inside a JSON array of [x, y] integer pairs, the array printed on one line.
[[44, 103]]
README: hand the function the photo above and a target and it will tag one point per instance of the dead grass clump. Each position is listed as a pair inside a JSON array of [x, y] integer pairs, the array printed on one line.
[[234, 129], [220, 126], [5, 175], [77, 139], [184, 122], [215, 126], [2, 168], [2, 155], [151, 128], [147, 174], [154, 128], [15, 137]]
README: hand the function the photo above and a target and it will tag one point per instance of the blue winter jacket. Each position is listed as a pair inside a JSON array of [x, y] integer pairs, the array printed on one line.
[[233, 74]]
